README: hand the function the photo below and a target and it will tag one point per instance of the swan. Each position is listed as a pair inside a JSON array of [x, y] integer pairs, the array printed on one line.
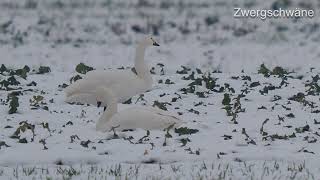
[[125, 84], [146, 118]]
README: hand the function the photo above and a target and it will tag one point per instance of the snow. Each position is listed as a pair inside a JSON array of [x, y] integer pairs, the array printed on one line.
[[101, 36]]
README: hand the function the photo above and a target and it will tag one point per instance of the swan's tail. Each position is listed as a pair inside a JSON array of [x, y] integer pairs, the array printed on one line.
[[73, 88], [101, 125], [178, 123]]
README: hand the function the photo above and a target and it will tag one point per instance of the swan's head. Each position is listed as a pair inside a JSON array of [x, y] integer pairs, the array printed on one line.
[[149, 41], [105, 96]]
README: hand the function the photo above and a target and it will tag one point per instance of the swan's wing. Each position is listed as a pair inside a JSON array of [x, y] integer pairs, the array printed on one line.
[[165, 116], [83, 86], [158, 111], [110, 76], [170, 120], [124, 83], [99, 73], [144, 118], [92, 80]]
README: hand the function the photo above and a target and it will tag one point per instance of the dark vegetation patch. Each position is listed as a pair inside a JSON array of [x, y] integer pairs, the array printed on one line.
[[14, 104], [277, 71], [161, 105], [185, 131], [83, 69], [24, 126], [3, 144], [43, 70], [38, 102], [313, 87], [75, 78]]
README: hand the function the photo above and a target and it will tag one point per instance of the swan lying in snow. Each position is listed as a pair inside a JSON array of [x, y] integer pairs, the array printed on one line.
[[147, 118], [125, 84]]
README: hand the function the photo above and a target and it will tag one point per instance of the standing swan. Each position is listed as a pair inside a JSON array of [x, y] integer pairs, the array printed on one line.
[[132, 118], [125, 84]]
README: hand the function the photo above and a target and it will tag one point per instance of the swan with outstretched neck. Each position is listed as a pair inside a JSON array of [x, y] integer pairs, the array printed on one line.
[[147, 118], [124, 84]]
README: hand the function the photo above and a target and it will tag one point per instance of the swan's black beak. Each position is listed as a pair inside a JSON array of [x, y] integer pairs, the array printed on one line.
[[155, 44], [99, 103]]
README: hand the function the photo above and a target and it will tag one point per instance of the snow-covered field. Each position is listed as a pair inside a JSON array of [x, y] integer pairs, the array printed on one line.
[[248, 90]]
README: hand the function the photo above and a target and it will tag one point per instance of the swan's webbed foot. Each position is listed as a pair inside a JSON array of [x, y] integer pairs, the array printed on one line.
[[98, 103]]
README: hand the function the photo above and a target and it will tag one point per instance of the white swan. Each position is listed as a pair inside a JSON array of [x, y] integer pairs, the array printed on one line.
[[125, 84], [147, 118]]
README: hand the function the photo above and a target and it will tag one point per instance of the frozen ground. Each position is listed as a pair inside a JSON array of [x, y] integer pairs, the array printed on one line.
[[269, 129]]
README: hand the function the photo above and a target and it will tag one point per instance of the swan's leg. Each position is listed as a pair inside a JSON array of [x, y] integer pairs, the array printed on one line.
[[98, 103], [104, 109]]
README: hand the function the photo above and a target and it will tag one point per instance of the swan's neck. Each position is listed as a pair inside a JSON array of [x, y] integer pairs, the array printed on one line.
[[140, 65], [110, 111], [112, 108]]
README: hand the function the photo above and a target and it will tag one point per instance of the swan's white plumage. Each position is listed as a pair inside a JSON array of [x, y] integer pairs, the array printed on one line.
[[147, 118], [124, 83], [138, 117]]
